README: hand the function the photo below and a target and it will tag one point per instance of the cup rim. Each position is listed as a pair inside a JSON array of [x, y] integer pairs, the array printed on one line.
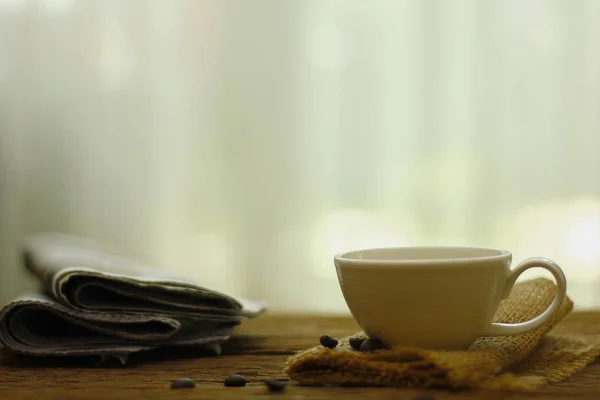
[[344, 256]]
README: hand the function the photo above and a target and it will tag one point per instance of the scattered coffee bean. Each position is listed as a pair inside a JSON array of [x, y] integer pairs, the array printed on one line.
[[328, 341], [371, 345], [183, 383], [275, 385], [356, 342], [235, 381]]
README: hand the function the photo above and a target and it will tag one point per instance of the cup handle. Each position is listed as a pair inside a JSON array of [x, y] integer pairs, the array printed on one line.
[[499, 329]]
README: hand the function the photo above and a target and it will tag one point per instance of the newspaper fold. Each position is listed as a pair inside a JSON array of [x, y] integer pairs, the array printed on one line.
[[96, 302]]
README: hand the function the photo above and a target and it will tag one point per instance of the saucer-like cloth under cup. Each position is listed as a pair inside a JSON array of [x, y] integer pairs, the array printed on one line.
[[522, 362]]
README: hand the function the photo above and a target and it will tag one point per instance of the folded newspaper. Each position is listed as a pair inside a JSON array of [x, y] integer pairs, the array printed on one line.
[[96, 302]]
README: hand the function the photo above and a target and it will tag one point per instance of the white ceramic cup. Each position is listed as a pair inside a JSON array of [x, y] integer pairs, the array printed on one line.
[[435, 297]]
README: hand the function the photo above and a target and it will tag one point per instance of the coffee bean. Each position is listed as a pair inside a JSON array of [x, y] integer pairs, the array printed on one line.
[[235, 381], [183, 383], [275, 385], [356, 342], [371, 345], [328, 341], [424, 396]]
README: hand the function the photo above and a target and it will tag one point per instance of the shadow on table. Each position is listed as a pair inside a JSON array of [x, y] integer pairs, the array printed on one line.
[[236, 345]]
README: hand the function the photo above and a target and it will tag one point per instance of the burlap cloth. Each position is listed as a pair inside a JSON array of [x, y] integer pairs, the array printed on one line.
[[522, 362]]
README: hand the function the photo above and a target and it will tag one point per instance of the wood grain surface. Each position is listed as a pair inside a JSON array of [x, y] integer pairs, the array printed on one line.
[[258, 351]]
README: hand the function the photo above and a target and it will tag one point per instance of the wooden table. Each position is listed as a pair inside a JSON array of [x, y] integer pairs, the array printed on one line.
[[259, 350]]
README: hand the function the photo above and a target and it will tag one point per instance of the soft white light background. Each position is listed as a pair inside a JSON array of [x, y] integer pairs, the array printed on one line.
[[244, 143]]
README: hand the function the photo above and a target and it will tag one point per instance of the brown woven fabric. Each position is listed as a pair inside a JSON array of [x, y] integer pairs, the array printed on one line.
[[521, 362]]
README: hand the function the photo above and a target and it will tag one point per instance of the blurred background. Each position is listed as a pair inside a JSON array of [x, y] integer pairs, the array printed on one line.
[[244, 143]]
